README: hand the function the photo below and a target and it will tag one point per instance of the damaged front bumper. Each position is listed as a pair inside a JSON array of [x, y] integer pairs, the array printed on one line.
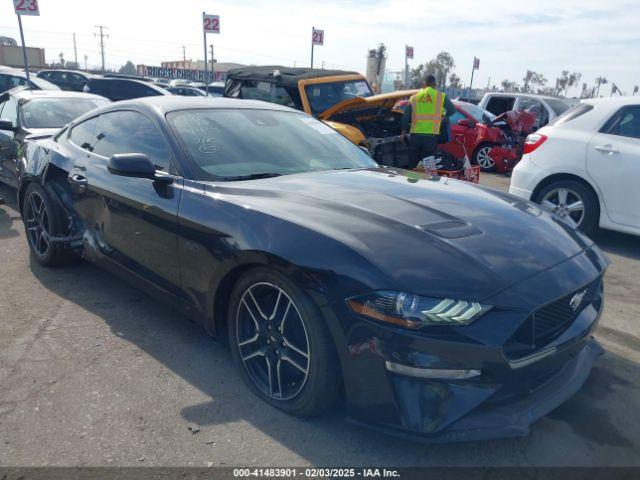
[[422, 404]]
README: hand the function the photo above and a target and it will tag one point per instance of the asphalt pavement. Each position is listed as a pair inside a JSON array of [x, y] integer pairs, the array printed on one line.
[[95, 373]]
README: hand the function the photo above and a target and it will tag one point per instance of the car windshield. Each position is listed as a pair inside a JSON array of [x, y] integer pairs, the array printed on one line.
[[558, 106], [242, 144], [322, 96], [478, 113], [56, 112]]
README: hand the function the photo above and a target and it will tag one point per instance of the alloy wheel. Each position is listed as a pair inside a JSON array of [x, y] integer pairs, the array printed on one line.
[[272, 341], [484, 159], [38, 224], [566, 204]]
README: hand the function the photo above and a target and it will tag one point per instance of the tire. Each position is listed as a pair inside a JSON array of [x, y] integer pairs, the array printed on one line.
[[552, 197], [294, 392], [43, 220], [481, 157]]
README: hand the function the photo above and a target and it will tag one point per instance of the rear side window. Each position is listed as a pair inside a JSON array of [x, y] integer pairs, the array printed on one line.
[[625, 123], [130, 132], [573, 112]]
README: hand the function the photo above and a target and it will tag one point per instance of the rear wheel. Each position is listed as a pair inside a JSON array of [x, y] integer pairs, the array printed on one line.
[[43, 222], [482, 159], [281, 344], [573, 202]]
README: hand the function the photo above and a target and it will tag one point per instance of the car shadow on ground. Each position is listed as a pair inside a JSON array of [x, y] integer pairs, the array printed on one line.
[[618, 243], [594, 417]]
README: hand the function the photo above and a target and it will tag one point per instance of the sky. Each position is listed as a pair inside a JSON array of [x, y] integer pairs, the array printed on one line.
[[594, 38]]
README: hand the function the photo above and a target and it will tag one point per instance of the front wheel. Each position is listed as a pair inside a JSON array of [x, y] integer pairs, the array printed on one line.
[[482, 158], [573, 202], [282, 345]]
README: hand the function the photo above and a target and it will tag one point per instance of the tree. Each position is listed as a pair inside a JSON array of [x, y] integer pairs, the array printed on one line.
[[128, 68], [61, 56], [600, 81], [438, 67], [454, 81], [8, 41], [532, 79], [509, 86], [566, 81]]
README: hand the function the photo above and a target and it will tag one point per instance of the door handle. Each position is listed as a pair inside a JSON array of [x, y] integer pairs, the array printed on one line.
[[610, 149], [78, 183]]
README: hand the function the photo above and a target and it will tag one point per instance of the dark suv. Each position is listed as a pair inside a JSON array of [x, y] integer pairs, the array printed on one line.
[[66, 79], [116, 89]]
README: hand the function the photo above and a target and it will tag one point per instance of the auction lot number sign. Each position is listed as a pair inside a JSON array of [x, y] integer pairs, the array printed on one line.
[[26, 7], [317, 37], [210, 23]]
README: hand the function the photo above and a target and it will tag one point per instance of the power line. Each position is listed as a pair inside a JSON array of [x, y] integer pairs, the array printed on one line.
[[102, 37]]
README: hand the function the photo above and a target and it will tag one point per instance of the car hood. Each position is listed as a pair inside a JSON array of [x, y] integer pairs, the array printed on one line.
[[428, 235], [385, 101]]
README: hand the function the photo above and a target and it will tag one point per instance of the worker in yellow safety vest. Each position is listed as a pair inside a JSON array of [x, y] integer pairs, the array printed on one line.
[[423, 118]]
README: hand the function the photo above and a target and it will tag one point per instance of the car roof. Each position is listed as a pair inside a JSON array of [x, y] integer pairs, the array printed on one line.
[[524, 95], [612, 101], [64, 70], [161, 105], [288, 76], [22, 93]]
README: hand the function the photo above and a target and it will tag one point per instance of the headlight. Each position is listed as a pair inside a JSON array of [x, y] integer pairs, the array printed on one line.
[[412, 311]]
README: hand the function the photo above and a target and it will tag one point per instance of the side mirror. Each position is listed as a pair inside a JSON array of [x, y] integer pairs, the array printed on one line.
[[465, 122], [7, 125], [131, 165]]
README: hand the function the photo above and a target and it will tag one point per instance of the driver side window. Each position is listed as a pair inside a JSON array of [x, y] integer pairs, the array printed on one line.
[[130, 132]]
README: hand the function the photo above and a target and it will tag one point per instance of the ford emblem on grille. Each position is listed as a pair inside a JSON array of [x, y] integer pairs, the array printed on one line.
[[576, 300]]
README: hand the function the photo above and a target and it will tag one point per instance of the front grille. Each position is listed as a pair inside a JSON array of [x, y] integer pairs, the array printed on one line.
[[550, 321]]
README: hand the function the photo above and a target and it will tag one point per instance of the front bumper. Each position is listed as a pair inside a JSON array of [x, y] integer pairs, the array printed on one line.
[[500, 419], [515, 386]]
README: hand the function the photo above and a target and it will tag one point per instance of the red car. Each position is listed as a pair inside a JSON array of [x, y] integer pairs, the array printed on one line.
[[477, 143]]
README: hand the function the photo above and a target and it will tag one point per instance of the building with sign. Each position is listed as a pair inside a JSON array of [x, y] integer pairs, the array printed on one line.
[[188, 70]]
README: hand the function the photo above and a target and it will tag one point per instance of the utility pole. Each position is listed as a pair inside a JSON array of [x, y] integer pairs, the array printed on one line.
[[184, 54], [213, 74], [75, 51], [102, 36], [85, 62]]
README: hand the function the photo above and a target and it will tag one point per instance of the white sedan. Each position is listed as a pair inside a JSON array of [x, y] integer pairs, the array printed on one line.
[[585, 165]]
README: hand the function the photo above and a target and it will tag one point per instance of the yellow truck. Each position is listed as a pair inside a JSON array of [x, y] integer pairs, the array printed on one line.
[[342, 99]]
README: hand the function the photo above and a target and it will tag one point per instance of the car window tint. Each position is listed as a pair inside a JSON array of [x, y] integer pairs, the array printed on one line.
[[130, 132], [82, 134], [629, 123], [224, 143], [56, 112], [265, 91], [535, 107]]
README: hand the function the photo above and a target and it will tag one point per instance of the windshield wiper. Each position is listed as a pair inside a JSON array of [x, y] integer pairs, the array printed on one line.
[[253, 176]]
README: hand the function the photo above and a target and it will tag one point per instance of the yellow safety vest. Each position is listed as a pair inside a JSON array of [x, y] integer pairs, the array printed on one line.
[[427, 108]]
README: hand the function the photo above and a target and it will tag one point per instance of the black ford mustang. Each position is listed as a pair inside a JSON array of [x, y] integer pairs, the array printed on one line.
[[439, 309]]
